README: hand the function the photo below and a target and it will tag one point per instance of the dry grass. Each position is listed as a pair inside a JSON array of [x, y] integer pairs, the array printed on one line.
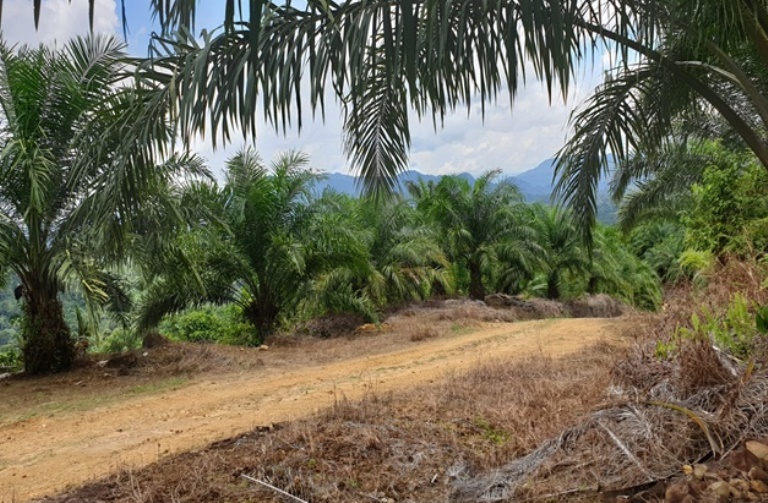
[[698, 405], [423, 332], [411, 446], [596, 306]]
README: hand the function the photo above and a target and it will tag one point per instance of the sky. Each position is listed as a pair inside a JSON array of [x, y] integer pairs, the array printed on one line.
[[513, 138]]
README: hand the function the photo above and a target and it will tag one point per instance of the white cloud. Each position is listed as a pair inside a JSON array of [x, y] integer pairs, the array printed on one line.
[[60, 20]]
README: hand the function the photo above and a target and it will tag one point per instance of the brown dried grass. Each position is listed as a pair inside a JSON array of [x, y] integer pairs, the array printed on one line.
[[596, 306], [423, 332], [411, 446], [665, 413], [729, 278]]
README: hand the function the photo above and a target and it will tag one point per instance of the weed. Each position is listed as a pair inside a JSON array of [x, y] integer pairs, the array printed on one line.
[[495, 435], [734, 331], [10, 359]]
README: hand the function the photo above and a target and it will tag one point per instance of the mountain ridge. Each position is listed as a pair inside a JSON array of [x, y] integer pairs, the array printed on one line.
[[535, 184]]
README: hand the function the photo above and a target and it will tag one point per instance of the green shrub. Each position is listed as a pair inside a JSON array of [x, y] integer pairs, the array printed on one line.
[[224, 325], [10, 359], [118, 341], [729, 209], [735, 331]]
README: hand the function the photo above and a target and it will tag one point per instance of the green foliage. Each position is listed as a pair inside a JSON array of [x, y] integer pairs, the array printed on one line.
[[695, 263], [735, 331], [616, 271], [665, 350], [220, 324], [406, 257], [707, 60], [730, 208], [478, 225], [268, 246], [660, 244], [10, 358], [564, 256], [77, 183], [491, 433], [117, 341]]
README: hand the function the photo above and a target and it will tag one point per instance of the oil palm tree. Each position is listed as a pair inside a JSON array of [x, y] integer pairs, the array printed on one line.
[[614, 270], [378, 58], [434, 56], [271, 250], [558, 237], [70, 185], [406, 257], [707, 70], [476, 221]]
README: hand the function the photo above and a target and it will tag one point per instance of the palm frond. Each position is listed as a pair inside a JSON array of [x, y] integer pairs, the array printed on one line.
[[378, 57]]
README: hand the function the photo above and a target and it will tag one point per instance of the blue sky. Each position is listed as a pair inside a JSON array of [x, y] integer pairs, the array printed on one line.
[[513, 138]]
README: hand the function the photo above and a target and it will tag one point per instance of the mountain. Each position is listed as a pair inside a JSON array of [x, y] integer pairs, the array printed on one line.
[[347, 184], [535, 184]]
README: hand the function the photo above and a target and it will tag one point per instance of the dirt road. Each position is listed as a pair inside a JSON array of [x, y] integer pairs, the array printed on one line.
[[43, 455]]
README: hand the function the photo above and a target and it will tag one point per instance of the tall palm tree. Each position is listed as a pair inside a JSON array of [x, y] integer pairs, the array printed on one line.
[[383, 57], [379, 59], [475, 220], [708, 61], [70, 185]]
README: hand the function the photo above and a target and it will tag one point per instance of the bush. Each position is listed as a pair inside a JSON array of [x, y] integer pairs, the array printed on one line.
[[735, 331], [224, 325], [729, 209], [10, 359], [118, 341]]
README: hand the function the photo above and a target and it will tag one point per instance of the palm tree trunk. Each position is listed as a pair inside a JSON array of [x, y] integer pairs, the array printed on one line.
[[553, 289], [592, 285], [263, 318], [48, 347], [476, 288]]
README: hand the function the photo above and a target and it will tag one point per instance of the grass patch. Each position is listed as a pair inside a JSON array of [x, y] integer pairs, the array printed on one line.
[[154, 387]]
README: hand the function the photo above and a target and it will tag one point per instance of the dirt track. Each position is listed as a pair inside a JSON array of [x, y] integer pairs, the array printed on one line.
[[43, 455]]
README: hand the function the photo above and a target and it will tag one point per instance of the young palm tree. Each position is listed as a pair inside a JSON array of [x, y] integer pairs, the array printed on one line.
[[558, 237], [70, 185], [475, 221], [406, 257], [614, 270], [277, 250]]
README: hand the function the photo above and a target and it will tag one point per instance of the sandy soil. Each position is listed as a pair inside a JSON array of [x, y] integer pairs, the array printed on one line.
[[44, 454]]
